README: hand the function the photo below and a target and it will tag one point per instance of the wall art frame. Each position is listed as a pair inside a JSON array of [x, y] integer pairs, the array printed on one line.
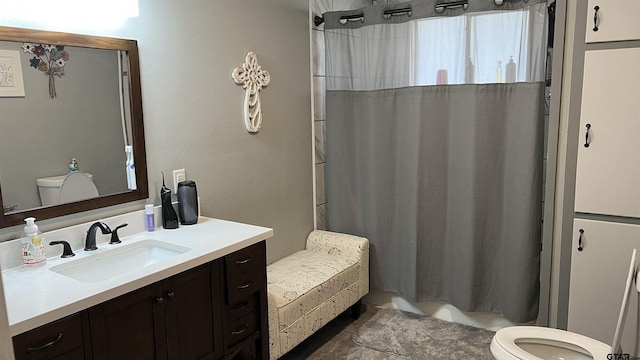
[[11, 82]]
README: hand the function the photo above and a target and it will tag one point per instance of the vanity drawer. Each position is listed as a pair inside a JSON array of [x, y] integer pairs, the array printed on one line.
[[241, 329], [242, 307], [51, 341], [244, 260], [240, 287], [245, 272]]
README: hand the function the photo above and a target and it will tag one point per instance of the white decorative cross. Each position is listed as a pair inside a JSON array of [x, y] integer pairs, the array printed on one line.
[[252, 78]]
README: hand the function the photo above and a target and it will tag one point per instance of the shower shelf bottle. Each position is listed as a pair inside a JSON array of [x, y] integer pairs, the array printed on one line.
[[510, 71], [33, 251], [499, 72], [469, 72]]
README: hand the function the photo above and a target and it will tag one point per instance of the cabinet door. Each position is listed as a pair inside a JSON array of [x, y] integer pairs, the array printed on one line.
[[608, 168], [615, 19], [193, 313], [131, 326], [598, 277]]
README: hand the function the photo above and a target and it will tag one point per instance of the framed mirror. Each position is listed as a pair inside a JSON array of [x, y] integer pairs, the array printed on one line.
[[71, 104]]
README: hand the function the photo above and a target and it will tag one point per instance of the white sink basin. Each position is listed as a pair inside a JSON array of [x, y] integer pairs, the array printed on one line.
[[121, 260]]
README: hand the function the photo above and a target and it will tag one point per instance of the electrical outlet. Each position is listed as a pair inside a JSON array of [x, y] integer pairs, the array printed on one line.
[[178, 176]]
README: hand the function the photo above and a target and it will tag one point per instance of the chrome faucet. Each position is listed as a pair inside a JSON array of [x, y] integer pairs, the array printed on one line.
[[90, 241]]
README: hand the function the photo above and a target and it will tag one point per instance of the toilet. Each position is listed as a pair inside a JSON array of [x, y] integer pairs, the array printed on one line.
[[542, 343], [61, 189]]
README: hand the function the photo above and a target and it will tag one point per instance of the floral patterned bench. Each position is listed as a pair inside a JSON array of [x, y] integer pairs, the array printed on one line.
[[309, 288]]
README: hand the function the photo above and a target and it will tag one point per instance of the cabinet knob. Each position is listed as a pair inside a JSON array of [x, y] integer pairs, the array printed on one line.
[[596, 19], [580, 247], [160, 301], [587, 140], [171, 295]]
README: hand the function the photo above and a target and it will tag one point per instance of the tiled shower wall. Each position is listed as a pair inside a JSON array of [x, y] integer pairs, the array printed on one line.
[[318, 7]]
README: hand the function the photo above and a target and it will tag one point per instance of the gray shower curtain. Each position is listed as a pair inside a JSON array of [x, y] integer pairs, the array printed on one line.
[[444, 180]]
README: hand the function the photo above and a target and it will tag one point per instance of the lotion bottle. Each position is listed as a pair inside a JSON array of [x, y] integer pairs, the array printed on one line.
[[33, 251], [149, 217]]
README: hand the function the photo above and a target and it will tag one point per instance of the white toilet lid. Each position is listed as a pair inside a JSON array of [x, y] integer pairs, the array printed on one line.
[[508, 338], [77, 186]]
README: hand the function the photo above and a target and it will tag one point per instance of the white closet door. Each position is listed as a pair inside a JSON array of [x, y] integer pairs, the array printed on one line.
[[617, 20], [598, 277], [608, 170]]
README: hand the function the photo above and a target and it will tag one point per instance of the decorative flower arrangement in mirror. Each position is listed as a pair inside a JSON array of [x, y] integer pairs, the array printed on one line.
[[50, 59]]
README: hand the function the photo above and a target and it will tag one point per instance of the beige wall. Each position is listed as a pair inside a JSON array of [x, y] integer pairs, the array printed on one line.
[[193, 110]]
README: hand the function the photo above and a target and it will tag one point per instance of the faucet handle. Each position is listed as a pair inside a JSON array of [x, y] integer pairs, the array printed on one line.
[[114, 234], [66, 248]]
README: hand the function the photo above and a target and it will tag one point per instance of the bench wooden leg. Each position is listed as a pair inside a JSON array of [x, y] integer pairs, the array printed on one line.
[[356, 309]]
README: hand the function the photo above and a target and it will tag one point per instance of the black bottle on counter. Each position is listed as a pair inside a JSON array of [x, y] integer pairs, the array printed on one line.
[[169, 217], [187, 202]]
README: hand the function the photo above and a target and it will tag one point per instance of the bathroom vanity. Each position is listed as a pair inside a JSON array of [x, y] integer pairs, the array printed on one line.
[[200, 294], [197, 292]]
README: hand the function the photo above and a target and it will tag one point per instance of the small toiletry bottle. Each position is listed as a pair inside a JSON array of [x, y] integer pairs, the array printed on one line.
[[151, 222], [73, 165], [510, 71], [499, 72], [33, 252], [469, 72]]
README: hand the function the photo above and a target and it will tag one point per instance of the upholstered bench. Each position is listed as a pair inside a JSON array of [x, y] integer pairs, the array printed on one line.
[[309, 288]]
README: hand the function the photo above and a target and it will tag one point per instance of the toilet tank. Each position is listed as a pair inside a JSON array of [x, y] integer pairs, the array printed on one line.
[[49, 189]]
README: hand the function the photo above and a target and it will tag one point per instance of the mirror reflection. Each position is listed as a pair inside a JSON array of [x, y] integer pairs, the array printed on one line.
[[83, 122], [75, 131]]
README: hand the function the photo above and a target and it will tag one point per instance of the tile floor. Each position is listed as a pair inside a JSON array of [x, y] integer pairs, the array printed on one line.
[[333, 341]]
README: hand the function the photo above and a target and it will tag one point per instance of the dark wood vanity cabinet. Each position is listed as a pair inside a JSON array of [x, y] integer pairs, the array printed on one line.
[[175, 318], [129, 326], [214, 311], [245, 303], [193, 324]]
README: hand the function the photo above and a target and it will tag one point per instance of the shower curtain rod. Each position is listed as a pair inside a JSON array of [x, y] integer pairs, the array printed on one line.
[[439, 7], [318, 20]]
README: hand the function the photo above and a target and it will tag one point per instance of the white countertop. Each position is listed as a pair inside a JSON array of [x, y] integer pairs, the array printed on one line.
[[37, 296]]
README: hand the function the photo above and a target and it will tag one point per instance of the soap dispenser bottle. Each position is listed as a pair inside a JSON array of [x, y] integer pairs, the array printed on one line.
[[169, 216], [33, 251]]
